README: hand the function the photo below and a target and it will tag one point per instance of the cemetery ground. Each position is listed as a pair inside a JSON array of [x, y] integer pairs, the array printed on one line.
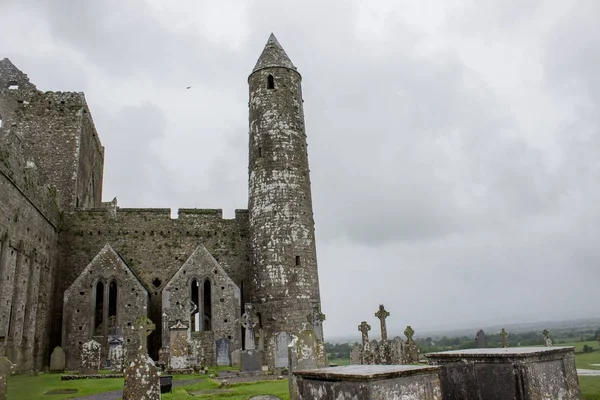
[[34, 387]]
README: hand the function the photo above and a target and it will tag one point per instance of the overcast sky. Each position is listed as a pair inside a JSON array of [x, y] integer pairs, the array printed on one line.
[[454, 145]]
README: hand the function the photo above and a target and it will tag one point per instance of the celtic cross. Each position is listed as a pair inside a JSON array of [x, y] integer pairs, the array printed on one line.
[[364, 329], [382, 314]]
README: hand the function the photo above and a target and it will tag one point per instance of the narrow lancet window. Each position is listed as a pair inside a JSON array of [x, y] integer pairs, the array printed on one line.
[[270, 82], [195, 297], [207, 325], [99, 309], [112, 300]]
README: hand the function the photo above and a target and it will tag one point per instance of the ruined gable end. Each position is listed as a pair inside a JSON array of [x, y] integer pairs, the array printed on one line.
[[12, 78], [202, 281], [105, 300]]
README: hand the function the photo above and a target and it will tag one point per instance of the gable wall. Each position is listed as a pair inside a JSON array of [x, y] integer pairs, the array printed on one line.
[[79, 306], [153, 245], [225, 298]]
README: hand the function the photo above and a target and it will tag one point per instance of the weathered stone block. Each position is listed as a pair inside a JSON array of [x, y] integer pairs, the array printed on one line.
[[524, 373], [142, 381], [373, 382], [251, 361], [57, 360], [90, 358]]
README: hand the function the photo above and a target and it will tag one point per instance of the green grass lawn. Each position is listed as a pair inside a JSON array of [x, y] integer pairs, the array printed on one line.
[[33, 388]]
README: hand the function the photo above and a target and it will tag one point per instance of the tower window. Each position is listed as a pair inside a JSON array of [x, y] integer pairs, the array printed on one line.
[[13, 85], [0, 121], [270, 82], [259, 152], [297, 260]]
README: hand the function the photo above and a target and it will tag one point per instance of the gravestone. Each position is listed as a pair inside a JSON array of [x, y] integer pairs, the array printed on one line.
[[305, 352], [6, 368], [364, 329], [367, 355], [236, 358], [251, 358], [57, 360], [316, 318], [223, 351], [142, 380], [547, 339], [356, 354], [385, 353], [90, 358], [396, 351], [116, 353], [480, 340], [382, 314], [282, 341], [374, 347], [179, 346], [249, 320], [503, 335], [251, 361], [411, 350]]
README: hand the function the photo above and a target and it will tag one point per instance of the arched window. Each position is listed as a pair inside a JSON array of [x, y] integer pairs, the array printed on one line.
[[112, 299], [99, 309], [270, 82], [207, 300], [195, 298]]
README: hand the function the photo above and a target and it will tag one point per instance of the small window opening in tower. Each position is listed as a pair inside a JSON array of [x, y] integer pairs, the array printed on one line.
[[297, 260], [270, 82], [195, 297], [0, 121], [112, 299], [12, 85], [99, 309], [259, 152], [207, 326]]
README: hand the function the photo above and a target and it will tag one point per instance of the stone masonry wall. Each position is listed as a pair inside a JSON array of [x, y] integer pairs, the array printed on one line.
[[79, 306], [154, 246], [29, 222], [284, 262]]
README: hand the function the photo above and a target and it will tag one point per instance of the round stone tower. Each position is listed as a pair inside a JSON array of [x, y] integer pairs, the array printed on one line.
[[284, 284]]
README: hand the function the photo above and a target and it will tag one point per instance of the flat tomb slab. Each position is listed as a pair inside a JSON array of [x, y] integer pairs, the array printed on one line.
[[374, 382], [508, 352], [523, 373]]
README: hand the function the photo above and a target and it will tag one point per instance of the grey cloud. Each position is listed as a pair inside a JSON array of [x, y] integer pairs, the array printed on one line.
[[133, 171]]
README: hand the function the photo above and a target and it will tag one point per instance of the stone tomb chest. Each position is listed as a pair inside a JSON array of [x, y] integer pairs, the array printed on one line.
[[373, 382], [520, 373]]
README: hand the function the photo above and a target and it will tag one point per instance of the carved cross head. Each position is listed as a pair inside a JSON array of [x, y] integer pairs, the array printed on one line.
[[382, 314], [546, 333], [144, 327], [409, 332], [364, 328]]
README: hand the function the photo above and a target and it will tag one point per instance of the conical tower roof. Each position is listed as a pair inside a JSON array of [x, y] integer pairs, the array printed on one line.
[[273, 56]]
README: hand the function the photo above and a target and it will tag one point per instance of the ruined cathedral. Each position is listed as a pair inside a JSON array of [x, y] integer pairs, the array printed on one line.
[[74, 268]]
